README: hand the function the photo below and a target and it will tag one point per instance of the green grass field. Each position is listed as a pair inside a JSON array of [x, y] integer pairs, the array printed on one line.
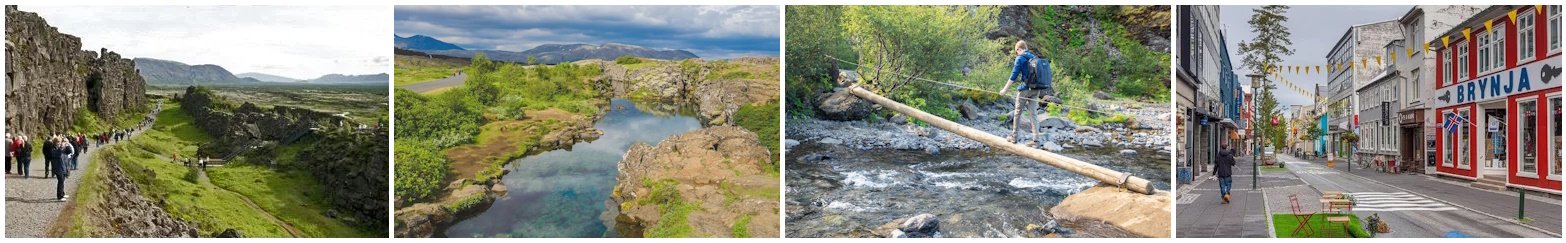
[[291, 197], [1284, 224]]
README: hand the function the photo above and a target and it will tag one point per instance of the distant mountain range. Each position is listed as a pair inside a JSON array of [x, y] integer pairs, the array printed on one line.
[[380, 78], [267, 77], [421, 42], [165, 72], [546, 54], [173, 73]]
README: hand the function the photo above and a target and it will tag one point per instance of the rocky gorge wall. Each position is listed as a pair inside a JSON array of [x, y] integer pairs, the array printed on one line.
[[49, 77], [715, 98], [351, 161], [249, 122]]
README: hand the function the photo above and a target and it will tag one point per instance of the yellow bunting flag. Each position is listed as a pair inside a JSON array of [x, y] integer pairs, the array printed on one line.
[[1318, 69], [1540, 8], [1378, 60], [1490, 23], [1466, 33], [1513, 15], [1427, 46], [1364, 62], [1446, 41], [1409, 50]]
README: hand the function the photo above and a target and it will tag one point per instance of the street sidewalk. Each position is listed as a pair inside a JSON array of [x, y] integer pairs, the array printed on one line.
[[1200, 214], [1546, 212]]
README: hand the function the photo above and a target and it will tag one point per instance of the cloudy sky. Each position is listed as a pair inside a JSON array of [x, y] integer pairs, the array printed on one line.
[[1314, 30], [296, 42], [709, 31]]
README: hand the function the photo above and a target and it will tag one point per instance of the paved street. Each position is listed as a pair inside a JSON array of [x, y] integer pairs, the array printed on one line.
[[1545, 211], [1435, 213]]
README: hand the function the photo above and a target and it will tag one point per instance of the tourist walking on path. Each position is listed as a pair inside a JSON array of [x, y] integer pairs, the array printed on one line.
[[1224, 167], [80, 144], [49, 154], [24, 155], [8, 154], [63, 150], [1032, 73]]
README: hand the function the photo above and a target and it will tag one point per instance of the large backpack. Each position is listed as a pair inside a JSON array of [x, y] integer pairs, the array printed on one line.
[[1039, 75]]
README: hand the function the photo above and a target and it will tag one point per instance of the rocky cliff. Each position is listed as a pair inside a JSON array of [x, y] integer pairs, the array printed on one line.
[[124, 212], [49, 78], [706, 181], [701, 84], [353, 162], [248, 123]]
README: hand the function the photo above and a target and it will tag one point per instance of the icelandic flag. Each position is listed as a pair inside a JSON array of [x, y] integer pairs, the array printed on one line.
[[1453, 121]]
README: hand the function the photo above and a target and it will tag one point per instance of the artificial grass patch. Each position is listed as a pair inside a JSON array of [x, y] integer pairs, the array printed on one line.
[[1284, 225]]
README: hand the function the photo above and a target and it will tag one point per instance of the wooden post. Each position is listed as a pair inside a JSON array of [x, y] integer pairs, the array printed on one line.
[[1069, 164]]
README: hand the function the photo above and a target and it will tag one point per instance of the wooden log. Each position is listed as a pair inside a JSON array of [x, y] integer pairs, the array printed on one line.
[[1099, 173]]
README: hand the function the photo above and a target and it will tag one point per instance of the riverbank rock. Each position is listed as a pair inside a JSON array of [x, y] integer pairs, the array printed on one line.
[[1140, 214], [421, 220], [715, 176], [917, 226], [840, 105], [49, 77]]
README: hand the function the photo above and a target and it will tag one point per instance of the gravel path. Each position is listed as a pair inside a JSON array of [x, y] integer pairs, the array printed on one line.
[[437, 84], [30, 206]]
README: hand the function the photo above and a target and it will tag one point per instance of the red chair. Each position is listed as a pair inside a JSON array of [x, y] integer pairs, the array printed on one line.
[[1301, 215]]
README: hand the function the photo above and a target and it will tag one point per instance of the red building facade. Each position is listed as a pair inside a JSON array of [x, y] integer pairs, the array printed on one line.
[[1498, 98]]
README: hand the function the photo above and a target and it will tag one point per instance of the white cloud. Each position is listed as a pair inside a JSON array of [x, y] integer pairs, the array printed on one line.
[[300, 42]]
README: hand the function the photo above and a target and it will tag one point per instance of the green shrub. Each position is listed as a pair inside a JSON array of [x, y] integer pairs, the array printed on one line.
[[627, 60], [762, 119], [420, 170]]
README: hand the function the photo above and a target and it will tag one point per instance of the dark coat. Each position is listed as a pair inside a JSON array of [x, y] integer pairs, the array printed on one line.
[[61, 154], [25, 152], [1224, 167]]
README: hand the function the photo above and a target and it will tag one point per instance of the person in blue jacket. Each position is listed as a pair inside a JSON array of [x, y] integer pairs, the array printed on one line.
[[1032, 73]]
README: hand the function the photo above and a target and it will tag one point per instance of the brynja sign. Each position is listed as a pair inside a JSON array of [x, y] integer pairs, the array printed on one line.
[[1534, 76]]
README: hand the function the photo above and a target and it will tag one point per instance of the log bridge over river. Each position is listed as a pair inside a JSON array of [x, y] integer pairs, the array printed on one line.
[[1143, 210]]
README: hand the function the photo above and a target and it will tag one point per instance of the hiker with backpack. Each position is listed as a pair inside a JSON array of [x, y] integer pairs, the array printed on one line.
[[1032, 73]]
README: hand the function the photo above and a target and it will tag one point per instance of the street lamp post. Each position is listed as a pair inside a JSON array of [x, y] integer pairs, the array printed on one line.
[[1255, 119]]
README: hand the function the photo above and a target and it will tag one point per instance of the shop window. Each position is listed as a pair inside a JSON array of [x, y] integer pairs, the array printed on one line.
[[1555, 137], [1463, 146], [1527, 138], [1450, 140], [1525, 37]]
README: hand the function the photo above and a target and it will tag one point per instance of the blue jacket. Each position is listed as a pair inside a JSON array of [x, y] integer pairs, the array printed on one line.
[[1020, 67]]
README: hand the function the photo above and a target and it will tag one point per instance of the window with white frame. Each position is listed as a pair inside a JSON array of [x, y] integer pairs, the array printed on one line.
[[1462, 62], [1555, 137], [1449, 68], [1463, 119], [1450, 148], [1555, 28], [1525, 37], [1527, 137], [1483, 39], [1497, 49]]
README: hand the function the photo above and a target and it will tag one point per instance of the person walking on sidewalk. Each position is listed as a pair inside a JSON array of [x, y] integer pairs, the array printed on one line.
[[1224, 167], [24, 156]]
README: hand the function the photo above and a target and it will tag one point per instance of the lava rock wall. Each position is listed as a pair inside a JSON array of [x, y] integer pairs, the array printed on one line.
[[49, 77]]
